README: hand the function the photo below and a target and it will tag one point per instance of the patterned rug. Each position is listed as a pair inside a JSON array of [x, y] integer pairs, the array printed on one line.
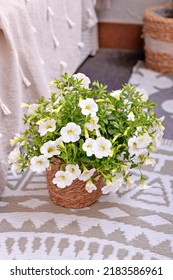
[[135, 224], [160, 90]]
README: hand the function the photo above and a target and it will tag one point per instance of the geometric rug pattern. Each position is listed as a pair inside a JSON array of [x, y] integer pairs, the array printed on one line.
[[160, 90], [128, 225]]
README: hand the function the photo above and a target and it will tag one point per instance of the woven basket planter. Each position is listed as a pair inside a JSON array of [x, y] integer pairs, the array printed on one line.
[[158, 38], [75, 195]]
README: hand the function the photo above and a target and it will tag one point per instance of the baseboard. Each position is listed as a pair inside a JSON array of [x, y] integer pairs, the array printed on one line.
[[120, 36]]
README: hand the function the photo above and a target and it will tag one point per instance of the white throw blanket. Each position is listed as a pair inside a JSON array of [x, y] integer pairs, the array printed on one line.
[[38, 41]]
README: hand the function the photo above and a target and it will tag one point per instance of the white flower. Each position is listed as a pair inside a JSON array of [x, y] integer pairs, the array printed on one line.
[[14, 155], [128, 104], [62, 179], [140, 155], [90, 187], [32, 109], [15, 140], [138, 131], [92, 124], [131, 117], [44, 127], [98, 134], [85, 80], [130, 183], [74, 170], [88, 146], [155, 144], [157, 135], [140, 142], [86, 174], [49, 149], [15, 168], [144, 95], [25, 105], [137, 152], [144, 140], [116, 94], [102, 147], [117, 182], [149, 160], [39, 164], [70, 133], [160, 125], [142, 184], [88, 106]]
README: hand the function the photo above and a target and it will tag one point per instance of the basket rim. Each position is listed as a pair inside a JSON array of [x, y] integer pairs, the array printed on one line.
[[151, 9]]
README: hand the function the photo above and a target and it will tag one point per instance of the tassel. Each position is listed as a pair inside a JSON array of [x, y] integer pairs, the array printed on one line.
[[5, 21], [89, 12], [4, 108], [55, 41], [81, 45], [50, 12], [49, 15], [34, 29], [63, 65], [25, 80], [42, 61], [70, 22]]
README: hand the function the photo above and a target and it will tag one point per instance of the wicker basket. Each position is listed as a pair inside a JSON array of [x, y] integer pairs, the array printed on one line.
[[158, 38], [75, 195]]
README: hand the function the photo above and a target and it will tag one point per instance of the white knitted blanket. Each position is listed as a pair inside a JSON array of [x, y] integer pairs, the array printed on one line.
[[38, 41]]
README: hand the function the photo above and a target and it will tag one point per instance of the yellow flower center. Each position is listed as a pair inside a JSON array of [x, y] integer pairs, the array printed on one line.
[[102, 147], [39, 162], [50, 149], [88, 146], [48, 126], [70, 131], [88, 107]]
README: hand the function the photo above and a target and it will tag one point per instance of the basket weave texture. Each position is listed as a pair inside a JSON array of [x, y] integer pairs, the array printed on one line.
[[75, 195], [159, 28]]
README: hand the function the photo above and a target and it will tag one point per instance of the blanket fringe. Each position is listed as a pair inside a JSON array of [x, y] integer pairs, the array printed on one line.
[[63, 65], [81, 45], [25, 80], [55, 41], [69, 21], [4, 108], [50, 14]]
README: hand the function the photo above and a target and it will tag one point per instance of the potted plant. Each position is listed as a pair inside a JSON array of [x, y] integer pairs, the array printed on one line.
[[87, 139], [158, 37]]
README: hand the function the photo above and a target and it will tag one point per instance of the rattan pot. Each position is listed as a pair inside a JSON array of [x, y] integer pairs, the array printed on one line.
[[75, 195], [158, 38]]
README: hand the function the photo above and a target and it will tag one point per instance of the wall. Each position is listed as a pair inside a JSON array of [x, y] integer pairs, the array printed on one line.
[[126, 11], [121, 26]]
